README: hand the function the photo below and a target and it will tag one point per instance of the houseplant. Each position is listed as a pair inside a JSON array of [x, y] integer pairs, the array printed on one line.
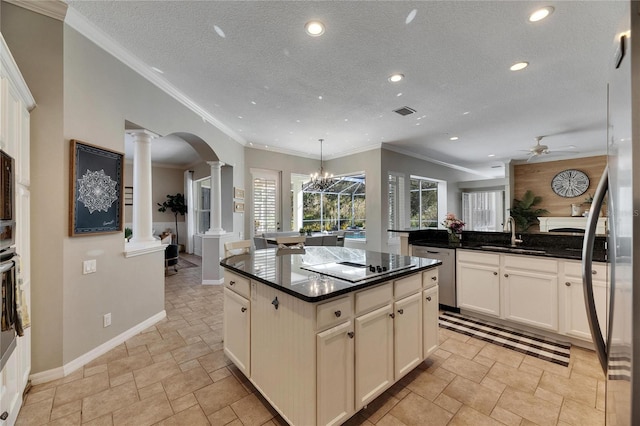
[[524, 213], [175, 204], [454, 227]]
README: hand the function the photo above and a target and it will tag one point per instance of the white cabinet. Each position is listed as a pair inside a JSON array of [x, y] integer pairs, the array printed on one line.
[[407, 334], [430, 313], [374, 354], [478, 282], [237, 330], [335, 374], [574, 314], [319, 363], [530, 291], [15, 103]]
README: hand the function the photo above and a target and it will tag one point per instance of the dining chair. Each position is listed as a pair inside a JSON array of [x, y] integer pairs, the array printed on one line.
[[260, 243], [314, 241], [291, 241], [237, 247], [329, 240]]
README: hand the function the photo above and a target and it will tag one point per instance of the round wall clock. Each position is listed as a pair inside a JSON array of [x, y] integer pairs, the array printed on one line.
[[570, 183]]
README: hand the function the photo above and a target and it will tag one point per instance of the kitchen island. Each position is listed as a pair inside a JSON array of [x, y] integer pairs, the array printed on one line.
[[322, 331]]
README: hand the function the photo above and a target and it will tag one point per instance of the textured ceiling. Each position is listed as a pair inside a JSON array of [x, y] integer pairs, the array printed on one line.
[[272, 85]]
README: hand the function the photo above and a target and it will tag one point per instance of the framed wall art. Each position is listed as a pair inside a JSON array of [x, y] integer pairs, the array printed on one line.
[[238, 193], [96, 190]]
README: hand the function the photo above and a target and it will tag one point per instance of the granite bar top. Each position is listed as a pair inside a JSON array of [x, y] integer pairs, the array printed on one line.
[[284, 269], [545, 244]]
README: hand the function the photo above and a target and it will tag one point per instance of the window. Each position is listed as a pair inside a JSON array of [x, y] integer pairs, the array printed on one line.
[[341, 206], [483, 211], [424, 203], [265, 202], [396, 202], [202, 206]]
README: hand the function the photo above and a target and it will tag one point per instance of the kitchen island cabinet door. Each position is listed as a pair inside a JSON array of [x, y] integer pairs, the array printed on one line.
[[237, 329], [531, 298], [479, 288], [335, 369], [407, 334], [430, 312], [374, 354]]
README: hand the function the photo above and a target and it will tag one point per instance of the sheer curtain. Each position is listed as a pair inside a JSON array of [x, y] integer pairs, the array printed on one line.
[[483, 210]]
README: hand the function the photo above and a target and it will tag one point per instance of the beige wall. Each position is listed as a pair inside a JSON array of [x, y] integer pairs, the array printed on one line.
[[36, 44], [537, 178], [84, 93]]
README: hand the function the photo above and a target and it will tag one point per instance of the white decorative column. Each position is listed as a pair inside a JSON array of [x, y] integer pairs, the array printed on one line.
[[142, 203], [216, 199]]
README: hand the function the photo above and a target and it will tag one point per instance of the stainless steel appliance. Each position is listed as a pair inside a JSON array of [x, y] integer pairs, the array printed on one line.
[[7, 209], [620, 353], [446, 272], [8, 315]]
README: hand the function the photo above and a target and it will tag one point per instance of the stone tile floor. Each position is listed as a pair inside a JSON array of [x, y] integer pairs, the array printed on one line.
[[175, 373]]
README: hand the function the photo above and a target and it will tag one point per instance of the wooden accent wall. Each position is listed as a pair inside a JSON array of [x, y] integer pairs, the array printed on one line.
[[537, 177]]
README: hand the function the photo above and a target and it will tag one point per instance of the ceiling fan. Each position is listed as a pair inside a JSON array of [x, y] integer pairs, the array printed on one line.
[[538, 148]]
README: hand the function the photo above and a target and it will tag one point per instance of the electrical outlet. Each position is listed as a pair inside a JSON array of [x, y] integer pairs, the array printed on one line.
[[89, 266], [106, 320]]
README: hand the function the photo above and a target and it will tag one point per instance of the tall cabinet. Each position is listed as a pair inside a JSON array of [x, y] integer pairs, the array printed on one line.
[[15, 103]]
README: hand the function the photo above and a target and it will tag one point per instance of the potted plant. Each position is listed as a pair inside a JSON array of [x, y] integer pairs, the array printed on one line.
[[524, 213], [175, 204], [128, 233]]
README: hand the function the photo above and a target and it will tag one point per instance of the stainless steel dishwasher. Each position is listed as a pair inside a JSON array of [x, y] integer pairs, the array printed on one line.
[[446, 272]]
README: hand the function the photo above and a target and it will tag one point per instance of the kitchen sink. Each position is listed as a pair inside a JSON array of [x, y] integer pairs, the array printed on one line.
[[518, 250]]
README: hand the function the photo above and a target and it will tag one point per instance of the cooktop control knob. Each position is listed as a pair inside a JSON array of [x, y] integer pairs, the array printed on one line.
[[379, 268], [372, 268]]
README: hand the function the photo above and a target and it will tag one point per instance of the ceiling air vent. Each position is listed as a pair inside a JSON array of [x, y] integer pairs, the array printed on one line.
[[405, 110]]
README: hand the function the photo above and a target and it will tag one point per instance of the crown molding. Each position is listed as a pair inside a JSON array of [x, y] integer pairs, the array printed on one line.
[[431, 160], [81, 24], [10, 67], [56, 9]]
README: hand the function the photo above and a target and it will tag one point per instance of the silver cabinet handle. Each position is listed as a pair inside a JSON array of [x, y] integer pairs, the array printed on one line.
[[337, 314], [275, 302], [495, 273], [243, 309], [568, 284], [506, 275], [401, 311], [434, 278], [594, 272], [351, 334], [429, 298], [232, 282], [392, 315]]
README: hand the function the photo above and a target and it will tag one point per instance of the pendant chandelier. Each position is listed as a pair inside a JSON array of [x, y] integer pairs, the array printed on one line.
[[320, 181]]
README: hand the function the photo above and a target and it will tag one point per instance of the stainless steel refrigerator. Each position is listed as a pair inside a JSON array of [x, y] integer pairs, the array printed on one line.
[[619, 349]]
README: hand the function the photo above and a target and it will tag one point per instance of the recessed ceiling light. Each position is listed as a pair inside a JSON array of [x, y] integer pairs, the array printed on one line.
[[158, 70], [320, 97], [239, 116], [219, 31], [519, 66], [491, 155], [399, 94], [394, 78], [454, 138], [540, 14], [411, 16], [314, 28], [253, 102]]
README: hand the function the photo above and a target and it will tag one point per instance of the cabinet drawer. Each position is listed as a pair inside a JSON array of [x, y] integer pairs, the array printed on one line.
[[405, 286], [531, 263], [333, 312], [430, 278], [237, 283], [574, 269], [373, 298], [478, 257]]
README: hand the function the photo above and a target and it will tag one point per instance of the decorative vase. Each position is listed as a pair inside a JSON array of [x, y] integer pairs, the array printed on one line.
[[454, 238]]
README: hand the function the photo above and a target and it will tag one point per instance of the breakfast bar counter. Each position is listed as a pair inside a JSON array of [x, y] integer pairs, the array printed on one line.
[[322, 331]]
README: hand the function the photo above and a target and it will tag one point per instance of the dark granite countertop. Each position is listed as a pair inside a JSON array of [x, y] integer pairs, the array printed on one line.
[[563, 245], [284, 271]]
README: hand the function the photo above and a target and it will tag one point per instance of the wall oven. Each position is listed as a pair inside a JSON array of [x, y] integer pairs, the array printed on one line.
[[8, 259]]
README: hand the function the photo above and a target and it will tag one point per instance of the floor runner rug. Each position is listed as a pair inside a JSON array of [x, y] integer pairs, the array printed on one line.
[[529, 344]]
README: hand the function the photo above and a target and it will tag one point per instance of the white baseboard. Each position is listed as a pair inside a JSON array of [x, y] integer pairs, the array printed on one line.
[[65, 370], [213, 282]]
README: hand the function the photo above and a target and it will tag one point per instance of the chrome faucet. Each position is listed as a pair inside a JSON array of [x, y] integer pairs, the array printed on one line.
[[512, 225]]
